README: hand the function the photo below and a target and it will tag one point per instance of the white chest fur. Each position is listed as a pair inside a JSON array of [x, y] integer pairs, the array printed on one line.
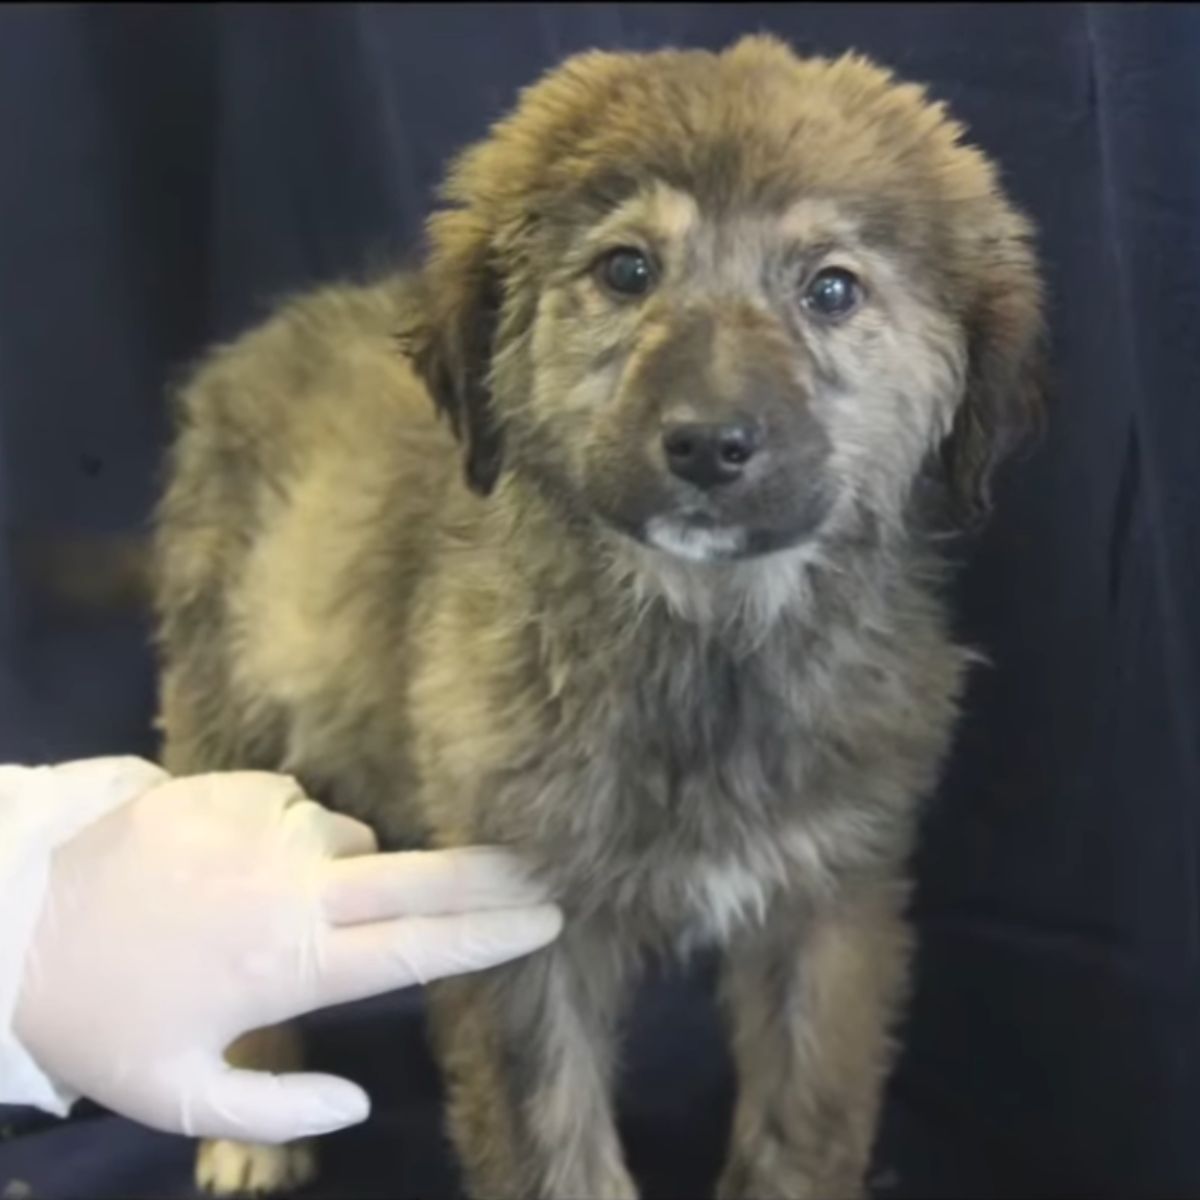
[[725, 893]]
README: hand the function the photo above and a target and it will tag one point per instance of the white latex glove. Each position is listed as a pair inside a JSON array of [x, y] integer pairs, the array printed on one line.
[[213, 905]]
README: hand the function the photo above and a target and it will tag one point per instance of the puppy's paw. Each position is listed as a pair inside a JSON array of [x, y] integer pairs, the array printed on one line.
[[241, 1169]]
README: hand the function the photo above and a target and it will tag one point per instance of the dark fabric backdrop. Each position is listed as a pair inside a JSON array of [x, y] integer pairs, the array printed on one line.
[[167, 172]]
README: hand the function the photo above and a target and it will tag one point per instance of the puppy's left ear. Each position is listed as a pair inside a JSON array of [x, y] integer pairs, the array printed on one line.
[[451, 339], [1006, 371]]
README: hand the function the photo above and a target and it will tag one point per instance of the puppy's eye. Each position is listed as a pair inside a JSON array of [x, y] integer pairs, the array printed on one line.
[[833, 293], [626, 271]]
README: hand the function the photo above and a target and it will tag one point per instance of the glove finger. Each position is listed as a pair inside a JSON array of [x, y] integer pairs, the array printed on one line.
[[343, 836], [367, 960], [426, 883], [309, 824], [254, 1106]]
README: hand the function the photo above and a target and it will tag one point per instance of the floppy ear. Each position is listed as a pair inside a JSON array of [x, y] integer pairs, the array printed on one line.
[[1006, 376], [451, 339]]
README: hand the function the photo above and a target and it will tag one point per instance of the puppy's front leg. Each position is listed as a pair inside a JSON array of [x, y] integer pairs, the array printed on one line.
[[526, 1050], [811, 999]]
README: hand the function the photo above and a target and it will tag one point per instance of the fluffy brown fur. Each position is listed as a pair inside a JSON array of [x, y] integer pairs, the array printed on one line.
[[703, 714]]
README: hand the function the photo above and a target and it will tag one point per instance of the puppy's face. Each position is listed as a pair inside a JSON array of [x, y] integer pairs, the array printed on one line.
[[719, 385], [730, 304]]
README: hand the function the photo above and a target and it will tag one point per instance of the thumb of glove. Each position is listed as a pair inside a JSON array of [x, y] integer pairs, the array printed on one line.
[[255, 1106]]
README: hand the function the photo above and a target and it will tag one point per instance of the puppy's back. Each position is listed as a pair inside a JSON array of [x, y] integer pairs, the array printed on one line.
[[299, 508], [322, 378]]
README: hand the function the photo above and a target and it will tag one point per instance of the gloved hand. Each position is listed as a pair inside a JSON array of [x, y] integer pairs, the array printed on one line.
[[212, 905]]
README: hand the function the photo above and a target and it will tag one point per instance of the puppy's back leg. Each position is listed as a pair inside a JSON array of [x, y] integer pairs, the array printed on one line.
[[197, 739], [228, 1168]]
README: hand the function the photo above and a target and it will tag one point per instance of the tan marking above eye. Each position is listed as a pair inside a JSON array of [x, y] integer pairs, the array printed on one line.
[[817, 220], [655, 217], [673, 213]]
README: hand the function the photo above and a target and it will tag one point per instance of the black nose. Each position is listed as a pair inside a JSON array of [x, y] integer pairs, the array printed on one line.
[[708, 454]]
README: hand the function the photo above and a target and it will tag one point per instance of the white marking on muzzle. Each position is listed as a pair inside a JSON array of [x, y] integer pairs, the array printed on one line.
[[696, 545]]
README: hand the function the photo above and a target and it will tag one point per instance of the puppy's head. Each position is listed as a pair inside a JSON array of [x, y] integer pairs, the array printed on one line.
[[727, 304]]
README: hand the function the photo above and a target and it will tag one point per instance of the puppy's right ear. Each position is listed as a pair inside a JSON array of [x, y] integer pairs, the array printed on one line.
[[450, 340]]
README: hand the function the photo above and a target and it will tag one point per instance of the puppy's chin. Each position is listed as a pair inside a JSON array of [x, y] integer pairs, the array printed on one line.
[[704, 541], [707, 538], [713, 575], [699, 543]]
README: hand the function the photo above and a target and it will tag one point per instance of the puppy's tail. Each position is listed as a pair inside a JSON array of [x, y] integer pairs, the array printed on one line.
[[102, 573]]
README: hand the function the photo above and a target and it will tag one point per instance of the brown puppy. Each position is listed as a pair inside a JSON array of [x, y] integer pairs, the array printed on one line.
[[702, 324]]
